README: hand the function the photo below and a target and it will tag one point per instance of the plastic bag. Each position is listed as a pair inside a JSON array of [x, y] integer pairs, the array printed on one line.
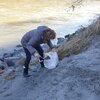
[[52, 61]]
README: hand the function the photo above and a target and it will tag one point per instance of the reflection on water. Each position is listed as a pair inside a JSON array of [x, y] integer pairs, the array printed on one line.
[[20, 16]]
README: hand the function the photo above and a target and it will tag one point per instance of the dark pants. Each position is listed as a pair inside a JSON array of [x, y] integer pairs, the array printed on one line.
[[28, 57]]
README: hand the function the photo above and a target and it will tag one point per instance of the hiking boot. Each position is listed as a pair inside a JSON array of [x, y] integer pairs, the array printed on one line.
[[26, 75], [42, 64], [25, 72]]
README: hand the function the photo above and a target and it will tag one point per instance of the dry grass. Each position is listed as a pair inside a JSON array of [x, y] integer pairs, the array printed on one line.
[[79, 42]]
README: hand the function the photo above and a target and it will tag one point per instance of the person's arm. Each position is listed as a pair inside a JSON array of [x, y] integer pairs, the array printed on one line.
[[30, 45], [50, 44]]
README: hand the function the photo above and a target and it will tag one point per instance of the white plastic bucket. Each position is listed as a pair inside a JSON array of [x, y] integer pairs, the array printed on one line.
[[53, 61]]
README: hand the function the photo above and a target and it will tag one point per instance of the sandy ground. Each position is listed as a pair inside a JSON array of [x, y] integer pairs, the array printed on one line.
[[76, 78]]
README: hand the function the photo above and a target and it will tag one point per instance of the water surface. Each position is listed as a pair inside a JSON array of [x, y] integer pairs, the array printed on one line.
[[19, 16]]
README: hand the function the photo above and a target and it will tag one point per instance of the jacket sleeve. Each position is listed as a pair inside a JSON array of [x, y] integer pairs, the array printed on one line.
[[50, 44], [30, 45]]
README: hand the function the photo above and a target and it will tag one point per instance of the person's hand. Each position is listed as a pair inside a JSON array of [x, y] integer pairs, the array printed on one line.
[[37, 55]]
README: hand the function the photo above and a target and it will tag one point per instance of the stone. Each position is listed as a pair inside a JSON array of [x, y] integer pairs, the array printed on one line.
[[10, 74], [21, 61], [1, 70], [60, 40], [3, 64], [18, 51], [9, 62], [18, 45], [67, 36], [5, 55]]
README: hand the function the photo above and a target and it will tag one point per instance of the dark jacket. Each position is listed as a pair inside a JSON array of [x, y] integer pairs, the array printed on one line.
[[33, 38]]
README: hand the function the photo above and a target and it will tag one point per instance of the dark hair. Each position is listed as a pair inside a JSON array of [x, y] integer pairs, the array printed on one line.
[[48, 34]]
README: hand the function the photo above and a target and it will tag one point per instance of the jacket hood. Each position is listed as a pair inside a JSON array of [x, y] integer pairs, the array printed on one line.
[[41, 28]]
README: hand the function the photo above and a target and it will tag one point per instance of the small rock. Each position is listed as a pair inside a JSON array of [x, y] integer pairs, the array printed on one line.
[[18, 51], [12, 61], [60, 40], [67, 36], [10, 74], [5, 55], [18, 45], [9, 62], [1, 59], [3, 64], [55, 82], [21, 61], [1, 70], [8, 94]]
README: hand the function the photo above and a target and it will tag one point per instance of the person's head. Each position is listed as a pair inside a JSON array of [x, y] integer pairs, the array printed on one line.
[[48, 34]]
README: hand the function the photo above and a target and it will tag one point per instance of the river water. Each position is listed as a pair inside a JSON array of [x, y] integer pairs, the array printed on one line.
[[19, 16]]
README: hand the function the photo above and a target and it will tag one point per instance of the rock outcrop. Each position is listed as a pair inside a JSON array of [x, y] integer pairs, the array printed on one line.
[[79, 42]]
